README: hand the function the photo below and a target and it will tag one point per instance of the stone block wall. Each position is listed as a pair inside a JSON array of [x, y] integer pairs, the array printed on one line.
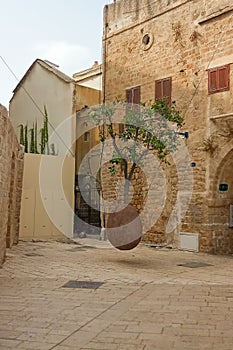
[[187, 38], [11, 176]]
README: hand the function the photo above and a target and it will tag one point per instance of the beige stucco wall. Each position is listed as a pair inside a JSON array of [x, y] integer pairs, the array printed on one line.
[[93, 82], [188, 38], [42, 88], [47, 201], [91, 77]]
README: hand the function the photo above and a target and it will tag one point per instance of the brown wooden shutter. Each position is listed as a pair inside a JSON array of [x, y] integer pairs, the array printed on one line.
[[136, 98], [158, 90], [213, 80], [129, 95], [223, 78], [133, 95], [219, 79], [163, 89], [121, 128], [167, 88]]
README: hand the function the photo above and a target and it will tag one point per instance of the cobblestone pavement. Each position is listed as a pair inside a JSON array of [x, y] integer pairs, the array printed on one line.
[[147, 300]]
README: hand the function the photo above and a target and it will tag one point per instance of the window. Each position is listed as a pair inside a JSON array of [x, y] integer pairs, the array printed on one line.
[[163, 89], [219, 79], [133, 95], [121, 128], [86, 136]]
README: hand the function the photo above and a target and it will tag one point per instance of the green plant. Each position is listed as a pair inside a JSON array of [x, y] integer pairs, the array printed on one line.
[[32, 143], [26, 138], [35, 138], [32, 147], [42, 141], [146, 129], [21, 134]]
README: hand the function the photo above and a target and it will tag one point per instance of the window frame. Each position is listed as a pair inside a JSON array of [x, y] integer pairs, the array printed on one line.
[[86, 136], [162, 81], [218, 70], [131, 90]]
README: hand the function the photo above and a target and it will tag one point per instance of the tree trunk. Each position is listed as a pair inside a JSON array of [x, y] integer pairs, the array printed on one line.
[[126, 191]]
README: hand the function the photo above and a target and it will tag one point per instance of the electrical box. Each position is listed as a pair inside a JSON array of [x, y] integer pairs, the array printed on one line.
[[189, 241], [231, 216]]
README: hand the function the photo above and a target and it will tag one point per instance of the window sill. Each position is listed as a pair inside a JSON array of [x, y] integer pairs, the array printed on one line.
[[221, 116], [216, 14]]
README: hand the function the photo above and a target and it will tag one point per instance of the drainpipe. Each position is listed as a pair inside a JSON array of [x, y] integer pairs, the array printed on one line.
[[105, 50]]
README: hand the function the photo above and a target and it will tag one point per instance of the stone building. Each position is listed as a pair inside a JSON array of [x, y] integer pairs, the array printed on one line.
[[11, 176], [181, 50]]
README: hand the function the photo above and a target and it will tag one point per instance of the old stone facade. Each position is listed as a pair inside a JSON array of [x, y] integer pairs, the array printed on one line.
[[188, 43], [11, 175]]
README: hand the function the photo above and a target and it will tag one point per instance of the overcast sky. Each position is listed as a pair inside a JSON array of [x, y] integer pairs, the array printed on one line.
[[66, 32]]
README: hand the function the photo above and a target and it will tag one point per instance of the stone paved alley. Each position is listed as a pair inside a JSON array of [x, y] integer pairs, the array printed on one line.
[[147, 300]]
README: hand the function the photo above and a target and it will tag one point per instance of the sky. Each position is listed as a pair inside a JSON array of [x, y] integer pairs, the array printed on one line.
[[66, 32]]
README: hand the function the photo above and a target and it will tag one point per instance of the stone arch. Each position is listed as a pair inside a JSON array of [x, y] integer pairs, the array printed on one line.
[[220, 201], [217, 168]]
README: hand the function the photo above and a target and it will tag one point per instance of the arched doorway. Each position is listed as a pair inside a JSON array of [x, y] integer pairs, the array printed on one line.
[[221, 208]]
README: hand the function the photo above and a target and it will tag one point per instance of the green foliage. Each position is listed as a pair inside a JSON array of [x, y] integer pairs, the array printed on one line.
[[146, 129], [46, 133], [32, 143], [21, 133], [170, 112], [45, 148], [26, 138], [42, 141], [35, 138]]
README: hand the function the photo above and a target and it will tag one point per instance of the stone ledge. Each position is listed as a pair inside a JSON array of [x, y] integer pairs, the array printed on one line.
[[221, 116], [216, 14]]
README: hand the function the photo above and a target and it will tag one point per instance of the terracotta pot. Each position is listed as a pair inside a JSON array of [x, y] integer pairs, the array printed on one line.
[[124, 228]]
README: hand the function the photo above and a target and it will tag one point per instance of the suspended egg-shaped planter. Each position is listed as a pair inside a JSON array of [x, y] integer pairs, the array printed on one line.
[[124, 228]]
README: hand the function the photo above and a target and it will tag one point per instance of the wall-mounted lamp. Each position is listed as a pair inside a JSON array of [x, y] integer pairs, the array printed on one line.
[[185, 134], [223, 187]]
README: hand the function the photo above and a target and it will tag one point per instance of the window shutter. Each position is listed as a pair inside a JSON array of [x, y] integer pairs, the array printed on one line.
[[136, 98], [163, 89], [129, 95], [223, 74], [158, 90], [121, 128], [167, 87], [219, 79], [213, 80]]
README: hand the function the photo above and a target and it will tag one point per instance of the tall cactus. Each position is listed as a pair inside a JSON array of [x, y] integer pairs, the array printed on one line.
[[46, 132], [26, 138], [45, 148], [35, 138], [21, 134], [32, 140], [42, 141]]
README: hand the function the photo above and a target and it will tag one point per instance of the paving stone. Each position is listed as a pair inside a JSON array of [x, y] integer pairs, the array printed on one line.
[[154, 306]]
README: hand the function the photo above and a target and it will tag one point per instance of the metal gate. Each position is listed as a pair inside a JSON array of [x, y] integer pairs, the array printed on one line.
[[87, 204]]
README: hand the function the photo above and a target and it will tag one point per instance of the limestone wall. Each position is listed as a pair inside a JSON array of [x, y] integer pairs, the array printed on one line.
[[11, 175], [187, 38]]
